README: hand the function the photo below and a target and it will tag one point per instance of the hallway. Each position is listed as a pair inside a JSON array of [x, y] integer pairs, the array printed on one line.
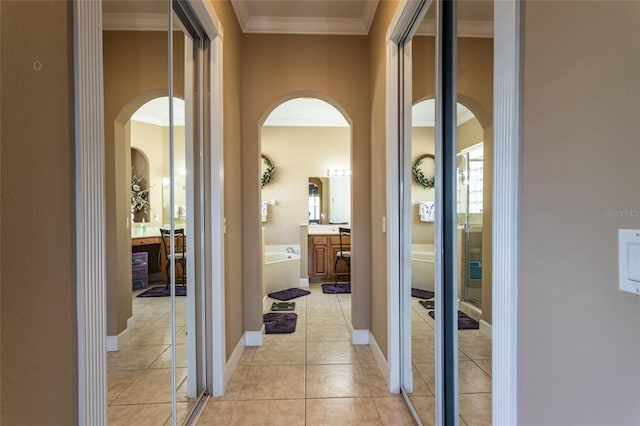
[[314, 376]]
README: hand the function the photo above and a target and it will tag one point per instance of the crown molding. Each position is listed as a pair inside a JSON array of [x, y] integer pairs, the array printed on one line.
[[479, 29], [277, 25], [368, 13], [134, 21]]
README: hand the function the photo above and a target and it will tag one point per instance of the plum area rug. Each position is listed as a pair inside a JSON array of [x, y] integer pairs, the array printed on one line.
[[279, 323], [422, 294], [336, 288], [288, 294], [465, 322], [162, 291]]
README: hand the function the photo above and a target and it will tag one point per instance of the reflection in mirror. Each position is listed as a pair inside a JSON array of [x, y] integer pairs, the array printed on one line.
[[330, 200], [149, 136]]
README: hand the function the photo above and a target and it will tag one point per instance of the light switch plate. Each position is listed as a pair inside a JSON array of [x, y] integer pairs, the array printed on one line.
[[629, 260]]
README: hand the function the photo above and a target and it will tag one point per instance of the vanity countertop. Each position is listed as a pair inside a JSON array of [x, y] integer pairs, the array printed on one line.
[[324, 229], [151, 232]]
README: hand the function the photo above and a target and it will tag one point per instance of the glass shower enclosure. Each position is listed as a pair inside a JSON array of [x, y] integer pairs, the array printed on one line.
[[470, 187]]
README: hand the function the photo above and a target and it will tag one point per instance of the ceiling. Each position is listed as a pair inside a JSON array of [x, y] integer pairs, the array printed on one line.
[[346, 17], [156, 111], [305, 16]]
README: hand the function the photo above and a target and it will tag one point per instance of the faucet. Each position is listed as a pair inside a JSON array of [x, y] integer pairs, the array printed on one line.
[[291, 250]]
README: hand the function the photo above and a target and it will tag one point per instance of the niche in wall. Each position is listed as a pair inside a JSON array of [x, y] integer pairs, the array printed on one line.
[[140, 170]]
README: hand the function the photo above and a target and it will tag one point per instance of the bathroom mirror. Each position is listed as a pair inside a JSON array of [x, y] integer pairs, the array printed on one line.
[[329, 200]]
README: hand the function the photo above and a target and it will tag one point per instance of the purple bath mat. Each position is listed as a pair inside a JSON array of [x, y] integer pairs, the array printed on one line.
[[336, 288], [422, 294], [465, 322], [162, 291], [279, 323], [288, 294]]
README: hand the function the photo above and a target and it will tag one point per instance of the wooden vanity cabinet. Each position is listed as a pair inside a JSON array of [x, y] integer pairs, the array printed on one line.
[[322, 257]]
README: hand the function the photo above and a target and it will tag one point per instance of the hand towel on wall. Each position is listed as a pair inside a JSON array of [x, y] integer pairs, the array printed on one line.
[[263, 211], [427, 211]]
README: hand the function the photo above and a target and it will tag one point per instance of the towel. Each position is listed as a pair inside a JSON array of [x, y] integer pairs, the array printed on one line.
[[427, 211], [263, 211]]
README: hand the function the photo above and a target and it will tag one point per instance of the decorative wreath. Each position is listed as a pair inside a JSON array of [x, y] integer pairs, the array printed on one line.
[[268, 173], [418, 174]]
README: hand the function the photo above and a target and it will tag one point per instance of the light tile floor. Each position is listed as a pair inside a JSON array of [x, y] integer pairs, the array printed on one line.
[[474, 371], [139, 374], [314, 376]]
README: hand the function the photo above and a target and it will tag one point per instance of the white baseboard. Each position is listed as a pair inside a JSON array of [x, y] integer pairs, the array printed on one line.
[[253, 338], [114, 343], [360, 337], [486, 329], [232, 363], [380, 360], [303, 282]]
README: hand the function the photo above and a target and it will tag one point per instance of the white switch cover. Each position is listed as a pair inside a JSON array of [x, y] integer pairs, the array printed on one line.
[[629, 260]]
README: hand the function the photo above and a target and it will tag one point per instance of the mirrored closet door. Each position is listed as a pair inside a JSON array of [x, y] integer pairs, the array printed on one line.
[[157, 73], [446, 212]]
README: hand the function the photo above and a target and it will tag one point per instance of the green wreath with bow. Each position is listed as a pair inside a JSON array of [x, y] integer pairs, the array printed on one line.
[[268, 173], [418, 174]]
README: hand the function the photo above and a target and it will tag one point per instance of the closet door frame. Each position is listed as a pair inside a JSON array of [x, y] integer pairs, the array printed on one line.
[[90, 208]]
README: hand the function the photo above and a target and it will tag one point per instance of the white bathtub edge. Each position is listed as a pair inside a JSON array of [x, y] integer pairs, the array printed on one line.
[[486, 329], [303, 282]]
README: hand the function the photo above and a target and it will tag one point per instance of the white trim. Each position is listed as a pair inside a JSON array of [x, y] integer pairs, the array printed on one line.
[[90, 213], [115, 343], [254, 338], [265, 303], [360, 337], [234, 359], [477, 29], [368, 13], [217, 218], [506, 132], [208, 18], [278, 25], [303, 282], [135, 21], [393, 218], [485, 329], [381, 362]]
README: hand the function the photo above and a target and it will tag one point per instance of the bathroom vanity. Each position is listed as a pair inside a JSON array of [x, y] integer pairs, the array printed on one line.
[[323, 244]]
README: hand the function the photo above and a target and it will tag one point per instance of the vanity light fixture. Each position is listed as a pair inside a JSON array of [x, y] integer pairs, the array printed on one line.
[[338, 172]]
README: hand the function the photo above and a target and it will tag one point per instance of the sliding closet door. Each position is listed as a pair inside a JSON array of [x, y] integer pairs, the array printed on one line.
[[418, 217], [187, 46], [429, 219]]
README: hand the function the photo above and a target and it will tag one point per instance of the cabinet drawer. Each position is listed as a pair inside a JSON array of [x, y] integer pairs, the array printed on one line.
[[320, 240], [335, 240]]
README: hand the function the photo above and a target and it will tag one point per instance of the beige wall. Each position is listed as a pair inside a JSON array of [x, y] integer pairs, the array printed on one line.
[[135, 71], [335, 69], [37, 233], [377, 65], [578, 335], [233, 175], [298, 153]]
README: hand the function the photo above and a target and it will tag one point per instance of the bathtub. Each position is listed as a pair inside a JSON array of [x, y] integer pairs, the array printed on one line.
[[281, 268], [422, 266]]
